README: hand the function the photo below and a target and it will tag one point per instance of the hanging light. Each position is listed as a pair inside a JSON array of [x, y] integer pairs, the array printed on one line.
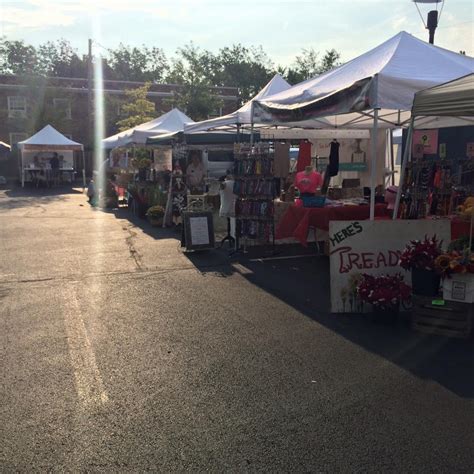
[[432, 18]]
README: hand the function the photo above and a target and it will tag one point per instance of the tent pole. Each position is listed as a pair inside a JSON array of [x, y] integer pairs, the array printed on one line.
[[373, 165], [251, 124], [392, 158], [22, 170], [404, 164]]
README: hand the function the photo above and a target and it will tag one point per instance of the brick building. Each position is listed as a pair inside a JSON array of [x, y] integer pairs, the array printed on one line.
[[29, 103]]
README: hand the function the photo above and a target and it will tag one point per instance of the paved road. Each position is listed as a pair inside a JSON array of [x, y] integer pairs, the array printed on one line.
[[120, 353]]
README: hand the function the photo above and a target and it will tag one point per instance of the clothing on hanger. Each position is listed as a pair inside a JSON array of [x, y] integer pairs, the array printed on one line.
[[281, 163], [304, 155], [333, 167]]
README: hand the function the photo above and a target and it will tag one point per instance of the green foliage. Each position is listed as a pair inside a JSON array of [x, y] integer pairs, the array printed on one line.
[[191, 69], [138, 64], [308, 65], [137, 108]]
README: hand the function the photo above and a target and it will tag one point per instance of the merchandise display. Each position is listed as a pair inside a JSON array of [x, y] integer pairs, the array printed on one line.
[[254, 187]]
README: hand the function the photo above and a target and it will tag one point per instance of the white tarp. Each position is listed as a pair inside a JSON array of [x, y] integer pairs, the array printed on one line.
[[386, 78], [49, 138], [243, 116], [172, 121]]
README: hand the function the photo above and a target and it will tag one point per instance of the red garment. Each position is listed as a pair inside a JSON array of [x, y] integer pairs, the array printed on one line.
[[304, 156], [308, 183]]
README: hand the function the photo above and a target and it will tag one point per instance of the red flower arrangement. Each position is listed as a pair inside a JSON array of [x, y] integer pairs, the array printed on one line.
[[383, 292], [421, 254], [455, 262]]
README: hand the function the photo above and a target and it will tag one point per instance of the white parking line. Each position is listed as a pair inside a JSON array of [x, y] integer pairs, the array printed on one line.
[[89, 385]]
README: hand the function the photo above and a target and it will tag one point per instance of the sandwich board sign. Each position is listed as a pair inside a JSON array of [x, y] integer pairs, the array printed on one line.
[[373, 247]]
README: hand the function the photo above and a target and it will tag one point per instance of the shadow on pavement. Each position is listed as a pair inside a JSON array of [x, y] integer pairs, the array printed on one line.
[[25, 197], [303, 283], [299, 278]]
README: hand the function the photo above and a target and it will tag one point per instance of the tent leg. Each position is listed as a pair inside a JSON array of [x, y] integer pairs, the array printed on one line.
[[22, 171], [373, 165], [392, 158], [404, 165], [251, 125]]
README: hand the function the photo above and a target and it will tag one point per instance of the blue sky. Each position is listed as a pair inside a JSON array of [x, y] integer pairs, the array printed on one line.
[[282, 27]]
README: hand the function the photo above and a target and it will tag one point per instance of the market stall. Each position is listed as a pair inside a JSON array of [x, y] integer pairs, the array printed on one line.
[[47, 156], [373, 91]]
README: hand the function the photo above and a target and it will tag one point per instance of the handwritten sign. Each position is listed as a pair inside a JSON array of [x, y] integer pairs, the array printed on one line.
[[373, 247]]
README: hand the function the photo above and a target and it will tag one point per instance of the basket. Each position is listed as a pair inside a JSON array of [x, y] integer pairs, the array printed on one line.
[[313, 201]]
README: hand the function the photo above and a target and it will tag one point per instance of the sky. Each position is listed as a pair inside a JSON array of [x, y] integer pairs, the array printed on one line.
[[281, 27]]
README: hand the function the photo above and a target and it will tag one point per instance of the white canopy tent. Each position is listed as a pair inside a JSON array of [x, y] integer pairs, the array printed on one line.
[[242, 116], [452, 99], [172, 121], [374, 90], [48, 139]]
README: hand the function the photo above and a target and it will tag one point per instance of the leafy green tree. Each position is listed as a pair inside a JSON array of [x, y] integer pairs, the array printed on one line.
[[191, 69], [16, 57], [137, 108], [308, 65], [248, 69], [138, 64]]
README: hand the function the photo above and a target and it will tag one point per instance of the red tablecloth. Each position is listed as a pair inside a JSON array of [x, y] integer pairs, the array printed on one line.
[[459, 228], [297, 220]]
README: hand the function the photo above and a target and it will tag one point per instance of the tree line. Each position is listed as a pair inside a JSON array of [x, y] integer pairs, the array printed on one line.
[[247, 68]]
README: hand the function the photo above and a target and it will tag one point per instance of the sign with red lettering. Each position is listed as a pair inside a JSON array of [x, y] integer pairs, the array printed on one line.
[[374, 247]]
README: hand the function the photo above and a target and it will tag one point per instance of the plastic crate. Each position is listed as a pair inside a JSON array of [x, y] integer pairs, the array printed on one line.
[[313, 201]]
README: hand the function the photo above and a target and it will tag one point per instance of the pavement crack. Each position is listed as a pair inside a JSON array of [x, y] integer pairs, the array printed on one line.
[[130, 241]]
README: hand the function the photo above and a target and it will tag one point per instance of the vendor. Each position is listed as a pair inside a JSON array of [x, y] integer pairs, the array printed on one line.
[[308, 181], [195, 173]]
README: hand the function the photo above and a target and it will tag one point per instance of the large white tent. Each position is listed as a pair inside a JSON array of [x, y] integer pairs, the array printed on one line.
[[48, 139], [373, 90], [172, 121], [242, 116], [384, 78]]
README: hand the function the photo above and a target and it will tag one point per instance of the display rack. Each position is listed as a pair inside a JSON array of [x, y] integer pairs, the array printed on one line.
[[436, 187], [254, 186]]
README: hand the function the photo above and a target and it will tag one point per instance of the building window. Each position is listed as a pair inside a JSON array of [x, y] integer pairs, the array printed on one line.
[[63, 105], [17, 137], [16, 107]]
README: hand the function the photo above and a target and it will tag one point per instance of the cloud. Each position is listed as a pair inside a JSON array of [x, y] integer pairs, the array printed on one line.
[[42, 14]]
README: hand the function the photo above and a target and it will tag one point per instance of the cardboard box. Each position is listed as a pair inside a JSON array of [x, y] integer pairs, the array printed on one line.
[[459, 287]]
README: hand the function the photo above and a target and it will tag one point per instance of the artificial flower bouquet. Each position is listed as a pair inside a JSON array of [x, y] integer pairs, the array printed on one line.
[[421, 254], [384, 292]]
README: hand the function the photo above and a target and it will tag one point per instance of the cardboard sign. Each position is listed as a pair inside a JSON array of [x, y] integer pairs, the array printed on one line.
[[373, 247], [198, 230], [428, 139]]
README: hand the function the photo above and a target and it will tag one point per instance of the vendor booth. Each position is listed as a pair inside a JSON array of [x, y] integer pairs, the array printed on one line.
[[47, 156], [373, 91], [172, 121], [437, 175]]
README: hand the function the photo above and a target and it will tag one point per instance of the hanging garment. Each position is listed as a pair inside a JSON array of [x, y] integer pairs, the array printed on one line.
[[304, 156], [228, 198], [281, 164], [333, 167]]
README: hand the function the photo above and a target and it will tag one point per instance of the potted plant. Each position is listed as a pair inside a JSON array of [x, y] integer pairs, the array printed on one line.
[[155, 215], [384, 293], [457, 270], [419, 256], [141, 164]]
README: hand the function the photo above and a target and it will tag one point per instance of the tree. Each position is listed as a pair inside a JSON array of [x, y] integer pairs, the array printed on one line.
[[16, 57], [138, 64], [308, 65], [248, 69], [137, 108], [191, 69]]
